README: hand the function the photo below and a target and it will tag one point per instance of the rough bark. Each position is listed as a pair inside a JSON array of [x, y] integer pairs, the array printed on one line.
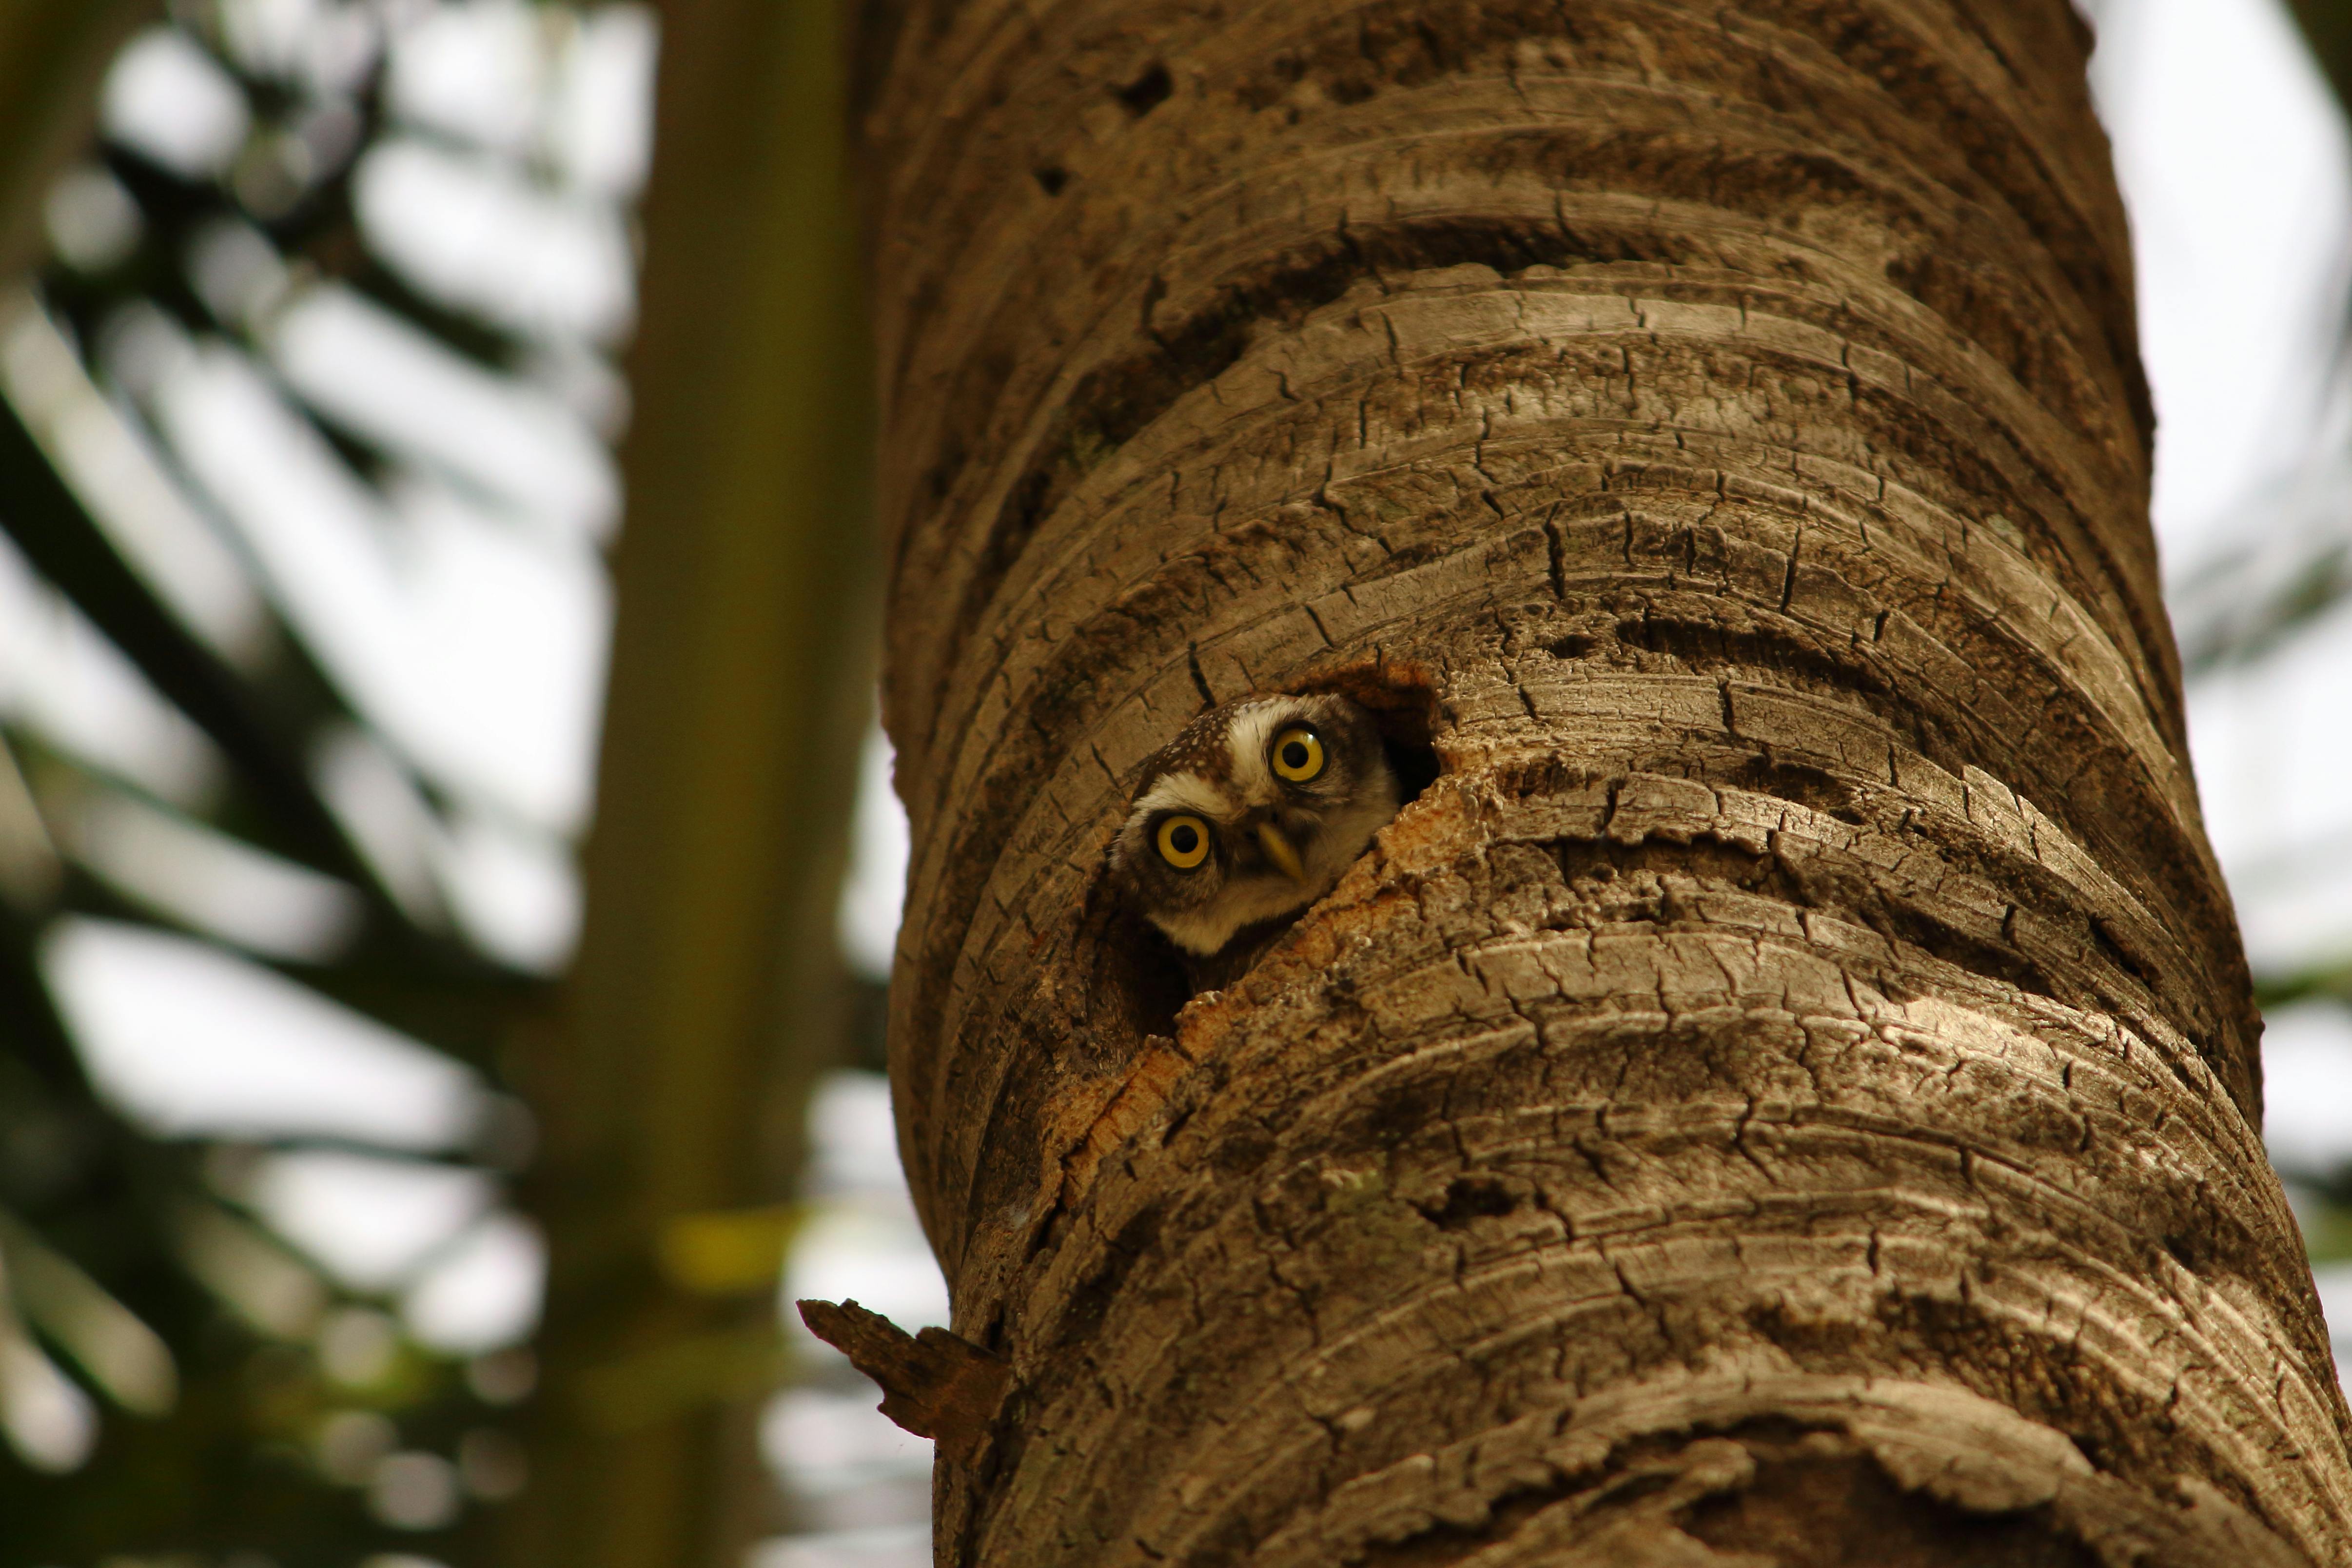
[[1786, 1092], [934, 1384]]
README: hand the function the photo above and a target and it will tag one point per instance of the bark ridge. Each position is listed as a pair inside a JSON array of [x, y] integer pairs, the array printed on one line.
[[1787, 1090]]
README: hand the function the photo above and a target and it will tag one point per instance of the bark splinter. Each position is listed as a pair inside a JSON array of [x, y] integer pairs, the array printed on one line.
[[1788, 1089], [933, 1384]]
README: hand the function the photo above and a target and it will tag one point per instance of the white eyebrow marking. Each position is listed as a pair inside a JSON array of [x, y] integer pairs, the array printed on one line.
[[1251, 731], [1182, 792]]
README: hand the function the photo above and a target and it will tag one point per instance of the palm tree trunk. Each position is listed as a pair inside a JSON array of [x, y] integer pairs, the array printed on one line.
[[708, 991], [1788, 1091], [53, 56]]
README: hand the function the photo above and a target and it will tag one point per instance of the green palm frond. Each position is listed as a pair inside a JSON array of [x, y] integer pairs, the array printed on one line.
[[215, 771]]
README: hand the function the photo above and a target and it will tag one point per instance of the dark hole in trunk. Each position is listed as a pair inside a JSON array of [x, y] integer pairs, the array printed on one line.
[[1137, 976]]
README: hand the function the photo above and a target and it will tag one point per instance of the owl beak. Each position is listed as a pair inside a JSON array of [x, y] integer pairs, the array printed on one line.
[[1281, 851]]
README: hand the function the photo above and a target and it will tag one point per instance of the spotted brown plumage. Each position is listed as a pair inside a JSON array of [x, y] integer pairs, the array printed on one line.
[[1278, 839]]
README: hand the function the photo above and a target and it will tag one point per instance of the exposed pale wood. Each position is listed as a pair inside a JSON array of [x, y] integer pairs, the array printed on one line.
[[1792, 1079]]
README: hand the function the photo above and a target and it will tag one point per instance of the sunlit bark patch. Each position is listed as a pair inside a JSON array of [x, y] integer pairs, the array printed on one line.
[[1789, 1072]]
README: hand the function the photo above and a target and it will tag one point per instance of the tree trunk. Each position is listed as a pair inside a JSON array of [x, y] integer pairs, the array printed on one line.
[[54, 55], [708, 991], [1787, 1092]]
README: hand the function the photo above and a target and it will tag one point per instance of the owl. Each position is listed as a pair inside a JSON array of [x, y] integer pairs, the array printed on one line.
[[1247, 817]]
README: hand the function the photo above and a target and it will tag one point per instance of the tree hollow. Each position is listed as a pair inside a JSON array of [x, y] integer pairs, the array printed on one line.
[[1786, 1090]]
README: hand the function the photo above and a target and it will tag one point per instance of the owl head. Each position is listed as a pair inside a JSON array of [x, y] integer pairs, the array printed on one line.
[[1252, 813]]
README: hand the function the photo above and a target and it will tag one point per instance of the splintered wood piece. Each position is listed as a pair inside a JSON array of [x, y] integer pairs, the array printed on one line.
[[933, 1384]]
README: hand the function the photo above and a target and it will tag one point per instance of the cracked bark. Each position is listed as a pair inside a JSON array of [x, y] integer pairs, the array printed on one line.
[[1786, 1092]]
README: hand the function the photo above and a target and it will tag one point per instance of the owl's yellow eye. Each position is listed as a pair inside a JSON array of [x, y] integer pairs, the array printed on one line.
[[1297, 755], [1183, 842]]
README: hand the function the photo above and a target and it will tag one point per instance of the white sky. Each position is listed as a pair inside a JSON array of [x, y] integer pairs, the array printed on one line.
[[2233, 161], [465, 612]]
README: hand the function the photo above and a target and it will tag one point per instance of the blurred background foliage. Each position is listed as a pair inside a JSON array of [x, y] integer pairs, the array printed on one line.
[[338, 1225], [443, 928]]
